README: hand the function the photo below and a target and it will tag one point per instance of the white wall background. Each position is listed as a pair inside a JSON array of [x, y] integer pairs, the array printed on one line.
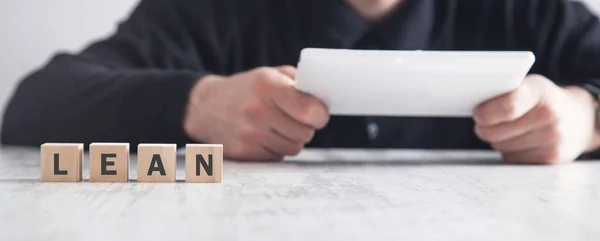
[[32, 30], [595, 4]]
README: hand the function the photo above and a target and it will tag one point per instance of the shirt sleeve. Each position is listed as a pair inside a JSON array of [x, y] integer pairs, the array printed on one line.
[[131, 87]]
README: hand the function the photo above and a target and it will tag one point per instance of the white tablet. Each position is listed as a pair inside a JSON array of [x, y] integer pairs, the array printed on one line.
[[409, 83]]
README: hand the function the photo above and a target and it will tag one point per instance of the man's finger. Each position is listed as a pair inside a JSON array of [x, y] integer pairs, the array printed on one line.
[[511, 106], [271, 155], [254, 152], [301, 107], [288, 70], [539, 117], [541, 155], [279, 145], [535, 139], [284, 125]]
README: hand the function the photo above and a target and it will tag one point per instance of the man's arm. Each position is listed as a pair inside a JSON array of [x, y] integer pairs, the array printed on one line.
[[548, 120], [132, 87], [566, 37]]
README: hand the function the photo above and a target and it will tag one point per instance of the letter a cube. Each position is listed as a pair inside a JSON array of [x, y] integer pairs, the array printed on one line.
[[156, 162]]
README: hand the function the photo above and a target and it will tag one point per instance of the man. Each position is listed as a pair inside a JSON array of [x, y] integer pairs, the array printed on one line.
[[221, 71]]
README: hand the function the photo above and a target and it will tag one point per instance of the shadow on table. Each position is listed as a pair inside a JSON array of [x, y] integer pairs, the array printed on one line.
[[495, 162], [465, 162], [334, 157]]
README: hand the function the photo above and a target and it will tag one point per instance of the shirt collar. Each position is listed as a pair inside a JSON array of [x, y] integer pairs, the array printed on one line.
[[335, 24], [409, 28], [331, 24]]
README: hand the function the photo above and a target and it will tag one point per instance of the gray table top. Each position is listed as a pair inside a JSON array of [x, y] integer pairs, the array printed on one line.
[[378, 195]]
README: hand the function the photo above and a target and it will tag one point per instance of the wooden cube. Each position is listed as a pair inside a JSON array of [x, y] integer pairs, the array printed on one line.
[[204, 163], [156, 162], [61, 162], [109, 162]]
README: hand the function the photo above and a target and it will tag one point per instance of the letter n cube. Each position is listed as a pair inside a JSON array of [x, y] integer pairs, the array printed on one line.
[[204, 163]]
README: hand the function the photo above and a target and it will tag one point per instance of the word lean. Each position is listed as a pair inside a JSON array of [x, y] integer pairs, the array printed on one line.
[[109, 162]]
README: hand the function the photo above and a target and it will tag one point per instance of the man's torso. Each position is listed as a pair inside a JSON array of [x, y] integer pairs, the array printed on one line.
[[249, 34]]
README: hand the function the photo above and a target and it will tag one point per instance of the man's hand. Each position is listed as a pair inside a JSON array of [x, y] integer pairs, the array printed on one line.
[[256, 115], [539, 123]]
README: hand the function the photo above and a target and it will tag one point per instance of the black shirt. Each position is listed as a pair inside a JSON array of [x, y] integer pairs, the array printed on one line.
[[133, 86]]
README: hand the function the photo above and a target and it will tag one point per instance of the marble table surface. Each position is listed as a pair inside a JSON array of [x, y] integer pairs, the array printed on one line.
[[319, 195]]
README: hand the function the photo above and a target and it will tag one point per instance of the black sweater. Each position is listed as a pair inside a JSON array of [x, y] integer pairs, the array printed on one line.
[[133, 86]]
